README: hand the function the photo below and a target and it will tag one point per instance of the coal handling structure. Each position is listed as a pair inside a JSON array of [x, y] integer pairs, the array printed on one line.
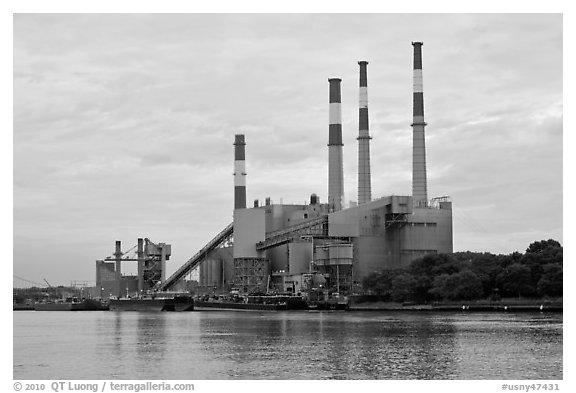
[[138, 293]]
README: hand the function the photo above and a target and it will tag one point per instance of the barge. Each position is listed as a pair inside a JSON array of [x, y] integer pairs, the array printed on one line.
[[156, 302], [257, 303], [71, 304]]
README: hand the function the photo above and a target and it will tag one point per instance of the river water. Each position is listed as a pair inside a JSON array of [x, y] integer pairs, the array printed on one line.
[[225, 345]]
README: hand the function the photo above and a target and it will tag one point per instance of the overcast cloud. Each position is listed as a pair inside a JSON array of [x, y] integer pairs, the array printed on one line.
[[124, 124]]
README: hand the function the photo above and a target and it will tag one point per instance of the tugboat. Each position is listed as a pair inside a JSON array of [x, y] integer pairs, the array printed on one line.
[[334, 302]]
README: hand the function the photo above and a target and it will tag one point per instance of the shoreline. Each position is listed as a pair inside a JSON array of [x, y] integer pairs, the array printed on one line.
[[512, 306]]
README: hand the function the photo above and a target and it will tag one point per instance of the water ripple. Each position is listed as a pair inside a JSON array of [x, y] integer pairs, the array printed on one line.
[[246, 345]]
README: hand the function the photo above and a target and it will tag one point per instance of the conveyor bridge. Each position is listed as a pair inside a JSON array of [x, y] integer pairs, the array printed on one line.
[[213, 244], [314, 227]]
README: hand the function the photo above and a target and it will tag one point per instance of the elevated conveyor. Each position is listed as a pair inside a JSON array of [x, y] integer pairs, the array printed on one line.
[[314, 227], [213, 244]]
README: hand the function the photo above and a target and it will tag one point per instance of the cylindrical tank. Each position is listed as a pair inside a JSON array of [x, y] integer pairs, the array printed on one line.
[[314, 200], [208, 273], [300, 255], [216, 272], [340, 254], [203, 273], [322, 255]]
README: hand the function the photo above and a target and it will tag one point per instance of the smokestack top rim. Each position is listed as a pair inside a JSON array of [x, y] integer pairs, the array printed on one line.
[[334, 80], [239, 139], [417, 43], [362, 62]]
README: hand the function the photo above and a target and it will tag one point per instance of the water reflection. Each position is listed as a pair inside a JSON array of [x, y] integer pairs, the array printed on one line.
[[511, 346], [290, 345], [151, 337], [335, 346]]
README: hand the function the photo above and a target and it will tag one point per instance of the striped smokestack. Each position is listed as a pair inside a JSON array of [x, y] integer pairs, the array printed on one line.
[[239, 172], [335, 160], [419, 187], [364, 181]]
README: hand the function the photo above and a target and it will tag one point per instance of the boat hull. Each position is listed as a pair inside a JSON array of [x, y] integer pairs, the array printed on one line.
[[200, 305], [88, 305], [328, 306], [255, 303], [152, 304]]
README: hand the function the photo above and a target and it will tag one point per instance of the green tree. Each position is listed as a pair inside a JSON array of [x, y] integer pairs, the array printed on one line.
[[538, 255], [515, 281], [442, 287], [380, 283], [551, 283], [510, 259], [543, 246], [467, 286], [486, 267], [464, 285], [425, 269], [403, 288]]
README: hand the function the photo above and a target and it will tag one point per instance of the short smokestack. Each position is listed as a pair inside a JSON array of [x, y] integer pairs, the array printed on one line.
[[118, 256], [419, 186], [239, 172], [364, 178], [140, 254], [335, 159]]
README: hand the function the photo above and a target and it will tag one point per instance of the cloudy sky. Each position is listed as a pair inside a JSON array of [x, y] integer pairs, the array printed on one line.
[[124, 124]]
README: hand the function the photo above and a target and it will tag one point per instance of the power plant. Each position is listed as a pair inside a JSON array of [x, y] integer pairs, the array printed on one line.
[[285, 248]]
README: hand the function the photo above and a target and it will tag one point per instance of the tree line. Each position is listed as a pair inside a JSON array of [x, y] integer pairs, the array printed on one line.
[[473, 275]]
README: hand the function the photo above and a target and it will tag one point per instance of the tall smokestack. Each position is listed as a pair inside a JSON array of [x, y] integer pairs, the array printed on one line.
[[335, 160], [364, 181], [419, 187], [239, 172]]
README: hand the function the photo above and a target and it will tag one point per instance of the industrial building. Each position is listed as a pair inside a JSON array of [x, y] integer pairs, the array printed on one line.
[[151, 261], [292, 248], [297, 248]]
